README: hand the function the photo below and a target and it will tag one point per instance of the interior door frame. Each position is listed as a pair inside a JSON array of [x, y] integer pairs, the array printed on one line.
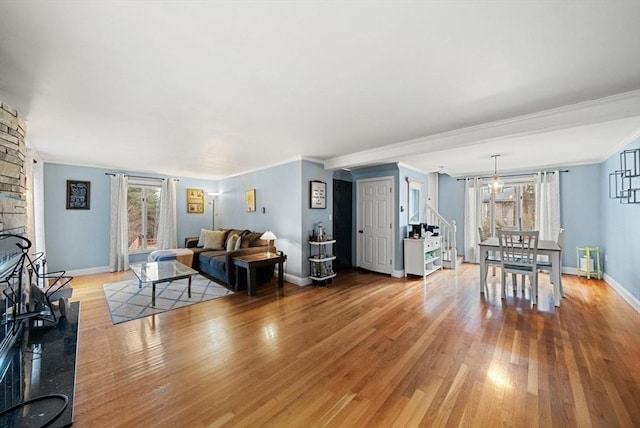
[[391, 214]]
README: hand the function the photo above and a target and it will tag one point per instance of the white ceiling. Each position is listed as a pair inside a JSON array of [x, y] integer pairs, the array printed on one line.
[[212, 89]]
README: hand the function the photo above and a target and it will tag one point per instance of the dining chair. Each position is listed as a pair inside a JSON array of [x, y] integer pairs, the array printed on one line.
[[519, 256], [545, 264], [490, 257]]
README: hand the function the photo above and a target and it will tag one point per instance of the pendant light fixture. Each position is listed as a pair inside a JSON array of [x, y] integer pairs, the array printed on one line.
[[496, 184]]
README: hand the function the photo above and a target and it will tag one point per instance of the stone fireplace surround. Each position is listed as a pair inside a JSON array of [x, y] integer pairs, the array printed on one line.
[[13, 171]]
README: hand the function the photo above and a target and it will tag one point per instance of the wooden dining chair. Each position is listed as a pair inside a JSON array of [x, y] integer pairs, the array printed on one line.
[[545, 264], [519, 256], [490, 258]]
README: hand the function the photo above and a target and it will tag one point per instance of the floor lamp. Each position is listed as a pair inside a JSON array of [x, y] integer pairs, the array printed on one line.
[[213, 209]]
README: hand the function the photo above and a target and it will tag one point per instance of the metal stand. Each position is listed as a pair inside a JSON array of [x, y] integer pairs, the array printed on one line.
[[587, 265]]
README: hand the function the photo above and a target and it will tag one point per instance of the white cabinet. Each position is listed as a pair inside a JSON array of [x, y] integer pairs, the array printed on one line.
[[321, 261], [422, 256]]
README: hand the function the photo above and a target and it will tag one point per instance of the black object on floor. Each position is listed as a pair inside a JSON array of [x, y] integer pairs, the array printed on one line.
[[41, 368]]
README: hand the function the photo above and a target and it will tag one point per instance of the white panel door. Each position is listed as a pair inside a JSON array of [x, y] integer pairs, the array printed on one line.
[[375, 199]]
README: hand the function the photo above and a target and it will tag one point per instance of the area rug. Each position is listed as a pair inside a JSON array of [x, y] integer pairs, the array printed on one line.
[[128, 302]]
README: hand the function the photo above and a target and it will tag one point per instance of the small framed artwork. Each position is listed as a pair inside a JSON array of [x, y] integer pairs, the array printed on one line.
[[78, 195], [317, 194], [195, 201], [250, 200]]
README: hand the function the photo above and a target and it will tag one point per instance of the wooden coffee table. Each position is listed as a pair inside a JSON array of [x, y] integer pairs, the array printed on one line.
[[157, 272], [253, 261]]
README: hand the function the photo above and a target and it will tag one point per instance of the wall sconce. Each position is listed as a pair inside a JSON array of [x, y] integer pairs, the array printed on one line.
[[624, 184]]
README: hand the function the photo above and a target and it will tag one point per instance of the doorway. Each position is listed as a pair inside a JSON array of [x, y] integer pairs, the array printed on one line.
[[375, 224], [342, 223]]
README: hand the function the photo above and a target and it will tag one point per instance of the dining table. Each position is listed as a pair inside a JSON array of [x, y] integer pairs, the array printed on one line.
[[545, 247]]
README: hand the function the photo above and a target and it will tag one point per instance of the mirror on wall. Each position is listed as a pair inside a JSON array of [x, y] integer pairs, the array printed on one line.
[[415, 196]]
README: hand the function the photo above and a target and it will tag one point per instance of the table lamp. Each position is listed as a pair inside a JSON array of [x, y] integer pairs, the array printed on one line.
[[269, 236]]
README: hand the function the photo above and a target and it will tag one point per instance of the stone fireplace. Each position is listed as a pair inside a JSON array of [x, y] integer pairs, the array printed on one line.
[[13, 173]]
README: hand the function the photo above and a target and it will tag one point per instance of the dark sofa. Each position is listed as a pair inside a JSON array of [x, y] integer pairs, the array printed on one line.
[[218, 263]]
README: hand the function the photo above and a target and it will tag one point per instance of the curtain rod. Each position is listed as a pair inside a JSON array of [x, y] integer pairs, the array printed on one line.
[[141, 176], [514, 175]]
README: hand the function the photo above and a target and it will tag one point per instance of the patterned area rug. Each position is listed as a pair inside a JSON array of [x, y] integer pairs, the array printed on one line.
[[128, 302]]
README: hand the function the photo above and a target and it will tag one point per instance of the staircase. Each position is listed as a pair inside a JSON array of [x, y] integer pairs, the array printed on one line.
[[447, 230]]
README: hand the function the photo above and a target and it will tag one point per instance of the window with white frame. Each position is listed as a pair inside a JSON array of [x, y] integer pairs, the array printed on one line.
[[514, 207], [143, 210]]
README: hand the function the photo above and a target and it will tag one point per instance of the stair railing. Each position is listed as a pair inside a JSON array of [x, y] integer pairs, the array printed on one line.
[[448, 232]]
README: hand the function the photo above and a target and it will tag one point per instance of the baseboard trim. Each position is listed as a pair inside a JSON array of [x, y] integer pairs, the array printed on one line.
[[294, 279], [628, 297], [397, 273], [88, 271]]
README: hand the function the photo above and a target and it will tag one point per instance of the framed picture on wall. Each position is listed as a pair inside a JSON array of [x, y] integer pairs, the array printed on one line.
[[78, 195], [317, 194], [195, 201], [250, 200]]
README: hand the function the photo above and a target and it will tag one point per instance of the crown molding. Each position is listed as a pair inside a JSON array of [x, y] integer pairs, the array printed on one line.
[[605, 109]]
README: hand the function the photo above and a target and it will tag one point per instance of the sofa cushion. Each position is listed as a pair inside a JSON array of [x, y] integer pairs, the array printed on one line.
[[232, 241], [215, 239], [203, 233], [214, 263]]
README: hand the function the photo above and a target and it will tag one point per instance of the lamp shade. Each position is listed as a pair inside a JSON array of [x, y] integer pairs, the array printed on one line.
[[496, 184], [268, 236]]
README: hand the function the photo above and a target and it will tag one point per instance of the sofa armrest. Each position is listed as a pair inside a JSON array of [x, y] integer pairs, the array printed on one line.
[[191, 242]]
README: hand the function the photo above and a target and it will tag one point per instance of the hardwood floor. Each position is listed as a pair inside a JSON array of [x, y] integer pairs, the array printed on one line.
[[368, 350]]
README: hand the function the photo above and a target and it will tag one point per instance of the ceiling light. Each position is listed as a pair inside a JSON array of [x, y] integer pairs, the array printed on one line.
[[496, 184]]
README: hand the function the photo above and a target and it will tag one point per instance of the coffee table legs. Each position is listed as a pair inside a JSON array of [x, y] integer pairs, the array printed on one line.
[[153, 288], [153, 295]]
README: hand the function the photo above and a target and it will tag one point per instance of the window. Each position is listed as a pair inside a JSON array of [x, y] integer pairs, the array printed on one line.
[[513, 207], [143, 210]]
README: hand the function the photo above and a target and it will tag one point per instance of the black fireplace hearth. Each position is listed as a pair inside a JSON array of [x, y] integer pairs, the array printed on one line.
[[38, 375]]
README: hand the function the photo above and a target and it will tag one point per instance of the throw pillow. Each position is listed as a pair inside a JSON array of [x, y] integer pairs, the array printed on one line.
[[202, 235], [231, 242], [238, 243], [214, 239]]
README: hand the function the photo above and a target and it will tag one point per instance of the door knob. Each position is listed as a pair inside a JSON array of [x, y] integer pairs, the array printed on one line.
[[361, 231]]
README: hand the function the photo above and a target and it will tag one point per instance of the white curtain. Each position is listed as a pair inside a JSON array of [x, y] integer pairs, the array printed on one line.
[[167, 222], [119, 236], [547, 219], [472, 194], [38, 206]]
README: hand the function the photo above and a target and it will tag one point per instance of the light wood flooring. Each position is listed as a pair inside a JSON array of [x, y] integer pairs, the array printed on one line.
[[368, 350]]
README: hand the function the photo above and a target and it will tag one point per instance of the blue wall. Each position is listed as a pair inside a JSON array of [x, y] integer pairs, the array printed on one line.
[[79, 239], [580, 193], [278, 192], [620, 231]]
